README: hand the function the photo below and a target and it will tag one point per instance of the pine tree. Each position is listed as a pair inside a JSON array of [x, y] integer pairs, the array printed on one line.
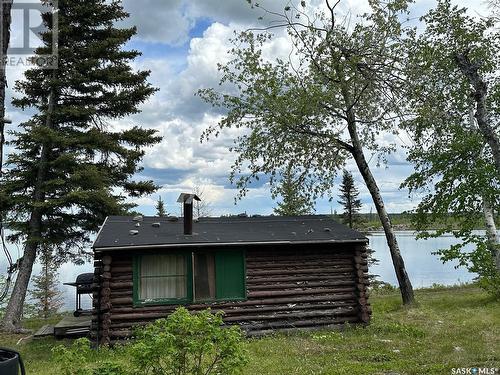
[[71, 168], [293, 203], [349, 199], [160, 208], [47, 297]]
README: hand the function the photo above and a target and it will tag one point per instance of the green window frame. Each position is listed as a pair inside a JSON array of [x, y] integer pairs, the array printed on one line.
[[230, 278], [137, 277]]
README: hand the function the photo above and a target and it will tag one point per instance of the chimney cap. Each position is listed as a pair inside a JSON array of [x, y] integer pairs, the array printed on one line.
[[187, 198]]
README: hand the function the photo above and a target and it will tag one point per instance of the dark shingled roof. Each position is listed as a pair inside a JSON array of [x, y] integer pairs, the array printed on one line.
[[117, 231]]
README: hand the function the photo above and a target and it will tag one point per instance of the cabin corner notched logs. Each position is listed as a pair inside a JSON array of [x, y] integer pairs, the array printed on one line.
[[287, 287]]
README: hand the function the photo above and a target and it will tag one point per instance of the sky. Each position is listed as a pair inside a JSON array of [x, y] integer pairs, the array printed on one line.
[[181, 43]]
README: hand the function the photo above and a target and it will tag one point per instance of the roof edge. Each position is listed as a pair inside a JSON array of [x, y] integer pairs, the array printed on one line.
[[99, 232], [213, 244]]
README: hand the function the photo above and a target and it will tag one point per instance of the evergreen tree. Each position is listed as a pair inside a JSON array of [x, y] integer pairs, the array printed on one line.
[[349, 199], [293, 202], [160, 208], [47, 297], [71, 168]]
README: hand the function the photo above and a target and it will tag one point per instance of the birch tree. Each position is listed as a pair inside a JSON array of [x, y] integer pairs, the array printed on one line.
[[339, 90], [454, 89]]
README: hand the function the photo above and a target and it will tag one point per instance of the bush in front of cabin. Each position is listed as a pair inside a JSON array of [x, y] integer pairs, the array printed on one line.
[[186, 343], [80, 359]]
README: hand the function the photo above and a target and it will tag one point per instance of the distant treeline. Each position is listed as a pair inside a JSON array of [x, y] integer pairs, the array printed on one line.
[[404, 221]]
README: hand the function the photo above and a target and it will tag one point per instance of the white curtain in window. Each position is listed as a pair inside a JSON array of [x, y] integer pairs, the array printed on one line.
[[163, 276]]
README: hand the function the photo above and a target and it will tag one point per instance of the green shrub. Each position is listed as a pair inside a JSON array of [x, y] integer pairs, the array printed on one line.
[[72, 359], [80, 359], [187, 343], [382, 287], [109, 368]]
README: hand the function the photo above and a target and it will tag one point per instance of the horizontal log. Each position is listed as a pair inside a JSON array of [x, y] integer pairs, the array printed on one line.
[[303, 284], [120, 333], [130, 325], [301, 323], [310, 252], [117, 308], [298, 263], [306, 271], [294, 292], [234, 314], [270, 279], [291, 307], [121, 293], [242, 317], [121, 285], [293, 315], [122, 263], [122, 301], [229, 306], [122, 277], [123, 269], [141, 316], [306, 257]]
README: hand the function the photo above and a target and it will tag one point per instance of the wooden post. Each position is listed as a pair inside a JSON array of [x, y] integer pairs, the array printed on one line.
[[96, 298], [361, 266], [104, 303]]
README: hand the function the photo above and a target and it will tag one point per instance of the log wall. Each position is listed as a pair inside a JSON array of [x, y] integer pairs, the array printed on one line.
[[299, 287]]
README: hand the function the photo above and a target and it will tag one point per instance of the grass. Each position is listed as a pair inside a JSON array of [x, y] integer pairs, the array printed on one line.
[[450, 327]]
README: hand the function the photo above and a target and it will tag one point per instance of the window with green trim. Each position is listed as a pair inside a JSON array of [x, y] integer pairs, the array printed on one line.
[[189, 277], [162, 278]]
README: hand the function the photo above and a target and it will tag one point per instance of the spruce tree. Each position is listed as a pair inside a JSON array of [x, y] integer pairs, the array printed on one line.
[[349, 199], [160, 208], [293, 202], [71, 166], [46, 295]]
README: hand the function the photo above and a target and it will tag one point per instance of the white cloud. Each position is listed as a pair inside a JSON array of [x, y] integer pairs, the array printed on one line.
[[180, 162], [159, 21]]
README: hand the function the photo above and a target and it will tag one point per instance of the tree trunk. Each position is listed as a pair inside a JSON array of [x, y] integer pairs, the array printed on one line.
[[14, 310], [470, 71], [491, 232], [397, 260], [5, 17]]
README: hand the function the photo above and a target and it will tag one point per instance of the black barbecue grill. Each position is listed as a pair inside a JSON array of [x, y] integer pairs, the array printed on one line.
[[83, 285]]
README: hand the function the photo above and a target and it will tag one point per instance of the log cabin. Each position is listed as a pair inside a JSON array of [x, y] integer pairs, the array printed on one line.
[[266, 273]]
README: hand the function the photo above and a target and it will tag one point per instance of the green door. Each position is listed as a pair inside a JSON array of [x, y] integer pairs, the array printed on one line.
[[230, 274]]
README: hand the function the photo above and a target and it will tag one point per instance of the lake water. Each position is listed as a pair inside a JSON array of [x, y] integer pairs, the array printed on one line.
[[423, 268]]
